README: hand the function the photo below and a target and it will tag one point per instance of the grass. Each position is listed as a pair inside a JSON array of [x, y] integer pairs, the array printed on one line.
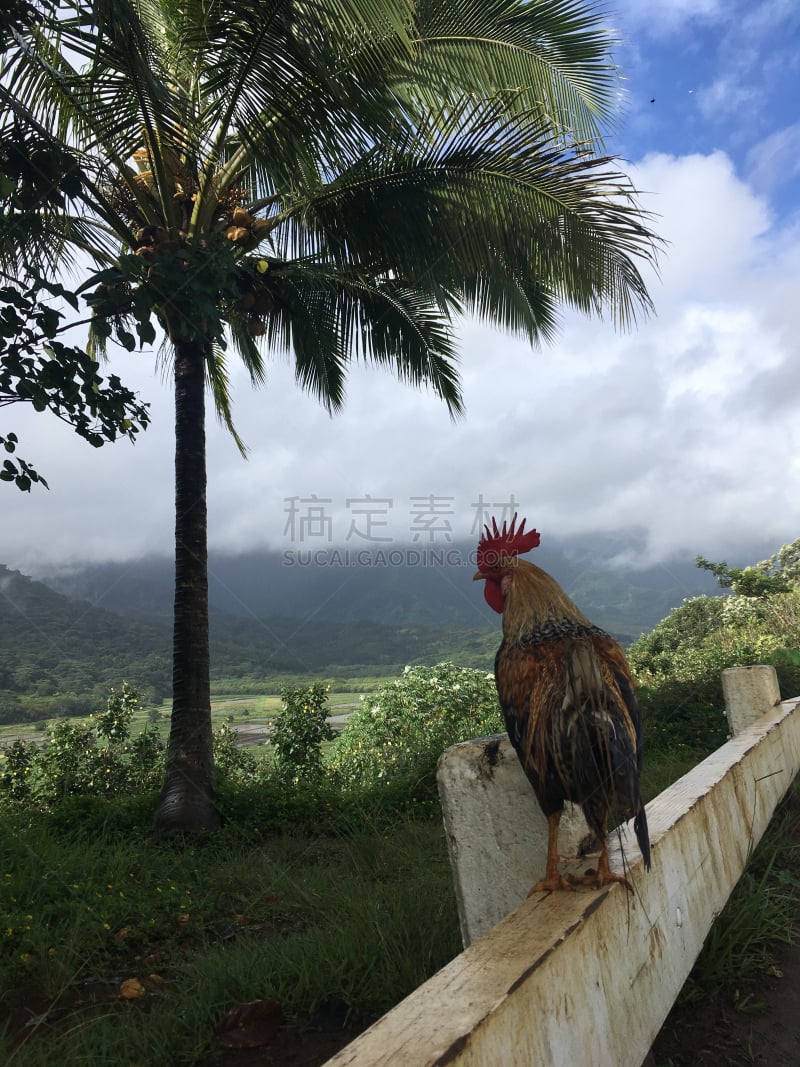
[[362, 918], [306, 897], [665, 766], [762, 911]]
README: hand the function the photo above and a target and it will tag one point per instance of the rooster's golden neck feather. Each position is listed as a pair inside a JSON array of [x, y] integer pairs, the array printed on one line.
[[533, 600]]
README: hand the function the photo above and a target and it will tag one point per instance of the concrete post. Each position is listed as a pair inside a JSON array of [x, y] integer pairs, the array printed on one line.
[[750, 692], [496, 832]]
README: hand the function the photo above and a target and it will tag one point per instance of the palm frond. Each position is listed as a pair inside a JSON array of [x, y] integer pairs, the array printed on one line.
[[552, 55], [327, 317], [473, 190], [219, 379]]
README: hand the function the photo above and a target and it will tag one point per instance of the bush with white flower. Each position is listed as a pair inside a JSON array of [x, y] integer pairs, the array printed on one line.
[[401, 729]]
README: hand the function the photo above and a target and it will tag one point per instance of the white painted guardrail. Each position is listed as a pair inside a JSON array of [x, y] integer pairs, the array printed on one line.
[[585, 979]]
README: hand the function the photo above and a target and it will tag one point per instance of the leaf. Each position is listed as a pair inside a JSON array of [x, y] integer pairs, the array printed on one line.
[[147, 332], [126, 339], [250, 1025], [49, 320], [101, 328], [131, 988]]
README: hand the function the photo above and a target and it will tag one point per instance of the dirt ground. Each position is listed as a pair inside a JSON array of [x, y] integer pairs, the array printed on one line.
[[720, 1034], [716, 1034]]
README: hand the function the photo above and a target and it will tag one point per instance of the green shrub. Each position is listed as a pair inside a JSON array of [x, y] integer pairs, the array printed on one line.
[[98, 758], [19, 760], [232, 763], [680, 663], [686, 627], [401, 730], [786, 662], [299, 731]]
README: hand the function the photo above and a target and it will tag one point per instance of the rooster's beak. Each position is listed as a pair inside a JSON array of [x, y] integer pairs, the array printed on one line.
[[479, 577]]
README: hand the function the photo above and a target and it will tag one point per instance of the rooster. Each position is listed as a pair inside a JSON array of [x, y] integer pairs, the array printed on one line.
[[568, 699]]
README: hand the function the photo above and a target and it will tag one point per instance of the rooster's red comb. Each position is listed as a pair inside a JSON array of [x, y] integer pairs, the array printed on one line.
[[497, 545]]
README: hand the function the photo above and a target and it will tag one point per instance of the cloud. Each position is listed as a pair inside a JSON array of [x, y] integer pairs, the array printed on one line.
[[728, 96], [712, 223], [669, 17], [687, 429], [775, 159]]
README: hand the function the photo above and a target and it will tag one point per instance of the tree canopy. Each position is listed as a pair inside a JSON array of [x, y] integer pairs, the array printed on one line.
[[339, 181]]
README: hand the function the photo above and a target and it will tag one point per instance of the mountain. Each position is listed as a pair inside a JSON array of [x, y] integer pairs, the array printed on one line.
[[399, 585], [59, 652], [325, 613], [59, 655]]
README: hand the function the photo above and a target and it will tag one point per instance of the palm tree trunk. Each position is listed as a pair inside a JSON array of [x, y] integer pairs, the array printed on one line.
[[187, 798]]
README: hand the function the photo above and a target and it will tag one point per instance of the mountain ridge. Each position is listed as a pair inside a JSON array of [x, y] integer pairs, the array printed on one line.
[[66, 640]]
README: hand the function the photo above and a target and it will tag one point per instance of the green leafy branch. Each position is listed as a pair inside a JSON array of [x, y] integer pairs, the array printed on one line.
[[18, 471], [38, 369], [760, 580]]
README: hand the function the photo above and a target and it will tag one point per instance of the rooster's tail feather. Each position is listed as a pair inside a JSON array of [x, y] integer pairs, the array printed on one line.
[[642, 835]]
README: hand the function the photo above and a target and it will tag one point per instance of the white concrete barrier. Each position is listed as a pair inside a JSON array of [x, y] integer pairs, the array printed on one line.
[[586, 979], [496, 832]]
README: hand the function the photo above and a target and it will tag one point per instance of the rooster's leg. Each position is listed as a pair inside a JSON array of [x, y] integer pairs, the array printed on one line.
[[604, 875], [553, 878]]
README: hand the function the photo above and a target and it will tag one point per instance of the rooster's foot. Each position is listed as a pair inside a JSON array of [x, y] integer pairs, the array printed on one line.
[[553, 882], [603, 876]]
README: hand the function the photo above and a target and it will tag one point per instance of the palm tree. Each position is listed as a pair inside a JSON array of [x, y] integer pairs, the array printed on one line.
[[339, 180]]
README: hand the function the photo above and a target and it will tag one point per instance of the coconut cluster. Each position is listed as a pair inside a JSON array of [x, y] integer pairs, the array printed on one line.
[[256, 299], [245, 229], [151, 241]]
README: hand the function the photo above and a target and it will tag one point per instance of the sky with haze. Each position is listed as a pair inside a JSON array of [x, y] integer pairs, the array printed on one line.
[[686, 430]]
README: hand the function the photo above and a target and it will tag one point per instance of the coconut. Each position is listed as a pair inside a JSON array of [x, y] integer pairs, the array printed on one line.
[[242, 217], [238, 234], [264, 302]]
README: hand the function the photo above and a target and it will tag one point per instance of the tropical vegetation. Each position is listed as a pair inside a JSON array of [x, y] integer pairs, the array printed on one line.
[[327, 896], [679, 663], [274, 175]]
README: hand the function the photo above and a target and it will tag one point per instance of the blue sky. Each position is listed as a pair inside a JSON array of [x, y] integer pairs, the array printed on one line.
[[716, 75], [686, 430]]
